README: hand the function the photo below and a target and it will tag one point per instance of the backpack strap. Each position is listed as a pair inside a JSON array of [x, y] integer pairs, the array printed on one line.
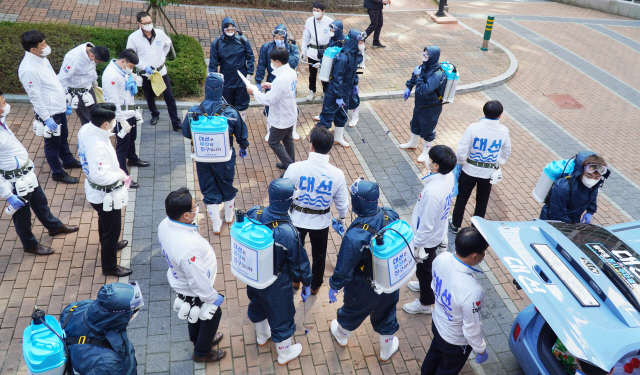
[[80, 340], [66, 320], [371, 230]]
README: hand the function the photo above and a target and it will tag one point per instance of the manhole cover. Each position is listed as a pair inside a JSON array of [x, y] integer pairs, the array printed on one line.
[[564, 101]]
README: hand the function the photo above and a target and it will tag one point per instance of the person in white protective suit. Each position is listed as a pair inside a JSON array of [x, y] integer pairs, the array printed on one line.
[[192, 273]]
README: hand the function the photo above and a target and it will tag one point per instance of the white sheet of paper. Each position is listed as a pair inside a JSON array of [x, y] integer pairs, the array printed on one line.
[[244, 79]]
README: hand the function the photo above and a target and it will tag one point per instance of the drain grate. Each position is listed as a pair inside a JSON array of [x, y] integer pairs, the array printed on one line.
[[564, 101]]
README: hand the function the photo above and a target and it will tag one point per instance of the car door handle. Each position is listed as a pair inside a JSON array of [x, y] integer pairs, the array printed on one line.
[[541, 274]]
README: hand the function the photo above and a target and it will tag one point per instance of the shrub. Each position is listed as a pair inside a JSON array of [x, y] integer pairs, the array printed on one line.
[[187, 70]]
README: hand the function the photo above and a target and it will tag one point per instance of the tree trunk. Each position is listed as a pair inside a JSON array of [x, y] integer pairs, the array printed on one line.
[[154, 12]]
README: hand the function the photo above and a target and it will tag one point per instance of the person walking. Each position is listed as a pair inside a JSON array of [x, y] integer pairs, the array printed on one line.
[[48, 98], [484, 146], [152, 46], [374, 8], [320, 184], [315, 40]]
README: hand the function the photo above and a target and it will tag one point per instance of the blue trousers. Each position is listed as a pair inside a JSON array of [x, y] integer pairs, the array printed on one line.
[[126, 147], [57, 148], [424, 121], [36, 201], [237, 97], [274, 303], [360, 301], [216, 180], [332, 113]]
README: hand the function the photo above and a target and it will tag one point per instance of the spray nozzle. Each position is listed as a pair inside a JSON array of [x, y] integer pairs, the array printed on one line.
[[380, 239], [37, 316], [239, 216]]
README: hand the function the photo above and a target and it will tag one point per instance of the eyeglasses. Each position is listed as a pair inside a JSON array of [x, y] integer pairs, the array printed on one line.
[[592, 168], [354, 187], [146, 23], [333, 27], [280, 32]]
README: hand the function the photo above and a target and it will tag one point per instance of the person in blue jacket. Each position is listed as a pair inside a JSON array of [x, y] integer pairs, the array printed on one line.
[[429, 80], [337, 40], [271, 309], [233, 53], [354, 271], [336, 98], [105, 347], [216, 178], [571, 196]]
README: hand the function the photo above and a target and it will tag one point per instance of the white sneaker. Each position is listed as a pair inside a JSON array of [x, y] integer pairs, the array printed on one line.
[[413, 142], [354, 118], [413, 285], [340, 334], [228, 211], [416, 307], [287, 351], [338, 137], [317, 118], [263, 332], [214, 214], [388, 345], [425, 152], [311, 95]]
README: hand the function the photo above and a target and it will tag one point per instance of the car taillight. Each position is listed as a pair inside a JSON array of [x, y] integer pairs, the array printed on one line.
[[516, 332]]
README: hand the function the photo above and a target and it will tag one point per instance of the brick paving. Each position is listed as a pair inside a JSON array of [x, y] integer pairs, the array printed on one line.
[[540, 132]]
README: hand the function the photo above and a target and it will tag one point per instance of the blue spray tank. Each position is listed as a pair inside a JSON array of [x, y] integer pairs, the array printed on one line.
[[393, 260], [42, 346], [252, 260], [210, 135]]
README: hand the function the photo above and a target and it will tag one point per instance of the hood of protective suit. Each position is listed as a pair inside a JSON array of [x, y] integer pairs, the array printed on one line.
[[111, 311], [339, 34], [580, 158], [212, 93], [351, 45], [280, 195], [226, 21], [365, 201], [434, 56], [282, 27]]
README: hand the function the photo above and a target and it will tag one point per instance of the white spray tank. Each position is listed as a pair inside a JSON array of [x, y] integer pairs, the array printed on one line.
[[550, 173], [453, 78], [42, 346], [210, 135], [393, 261], [252, 252], [327, 63]]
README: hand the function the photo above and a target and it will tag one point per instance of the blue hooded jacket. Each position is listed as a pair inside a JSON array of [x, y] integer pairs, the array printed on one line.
[[431, 81], [345, 65], [355, 248], [231, 53], [264, 62], [213, 87], [569, 197], [337, 40], [290, 256], [105, 318]]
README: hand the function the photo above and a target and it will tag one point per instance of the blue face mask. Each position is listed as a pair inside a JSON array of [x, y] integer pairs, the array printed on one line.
[[279, 43]]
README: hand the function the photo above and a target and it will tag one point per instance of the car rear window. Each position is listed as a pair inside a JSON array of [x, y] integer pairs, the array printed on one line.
[[605, 252]]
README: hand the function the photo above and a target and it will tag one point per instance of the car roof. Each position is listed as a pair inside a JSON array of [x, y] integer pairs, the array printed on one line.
[[600, 327]]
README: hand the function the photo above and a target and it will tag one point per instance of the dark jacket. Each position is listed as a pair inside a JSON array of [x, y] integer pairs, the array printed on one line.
[[231, 53], [569, 197], [106, 318], [265, 63], [344, 69], [373, 4], [337, 40], [429, 86]]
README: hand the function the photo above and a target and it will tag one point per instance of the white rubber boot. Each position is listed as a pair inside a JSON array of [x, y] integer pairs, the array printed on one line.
[[413, 142], [243, 115], [228, 211], [287, 351], [425, 152], [388, 345], [263, 332], [214, 214], [354, 118], [266, 137], [341, 335], [295, 135], [338, 137]]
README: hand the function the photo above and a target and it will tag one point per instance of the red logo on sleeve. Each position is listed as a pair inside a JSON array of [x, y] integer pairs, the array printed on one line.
[[193, 259], [113, 82], [477, 307]]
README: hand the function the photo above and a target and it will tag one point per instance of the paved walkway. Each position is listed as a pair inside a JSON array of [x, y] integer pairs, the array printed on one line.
[[559, 50]]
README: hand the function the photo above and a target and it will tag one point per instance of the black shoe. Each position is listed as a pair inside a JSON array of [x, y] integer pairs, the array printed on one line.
[[118, 271], [75, 164], [377, 44], [134, 185], [66, 178], [40, 250], [138, 163], [453, 229], [280, 166], [65, 228], [121, 245], [214, 356], [177, 128], [154, 120]]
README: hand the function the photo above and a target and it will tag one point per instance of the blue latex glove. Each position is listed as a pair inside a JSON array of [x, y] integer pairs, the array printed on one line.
[[69, 110], [243, 152], [132, 86], [417, 70], [51, 124], [332, 295], [586, 218], [306, 292], [340, 102], [355, 90], [219, 301], [15, 202], [148, 70], [407, 93], [337, 226], [259, 87], [482, 357]]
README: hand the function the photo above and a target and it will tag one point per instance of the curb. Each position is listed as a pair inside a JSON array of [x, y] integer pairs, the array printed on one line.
[[378, 95]]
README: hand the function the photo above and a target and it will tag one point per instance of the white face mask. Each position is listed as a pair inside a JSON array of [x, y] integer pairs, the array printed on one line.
[[46, 51], [332, 33], [112, 125], [425, 56], [229, 33], [589, 182], [6, 109], [148, 27], [195, 218], [273, 67], [317, 15], [128, 70], [361, 47]]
